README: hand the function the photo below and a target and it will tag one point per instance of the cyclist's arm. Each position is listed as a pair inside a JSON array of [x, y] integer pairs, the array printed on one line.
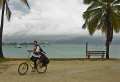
[[31, 51], [37, 50]]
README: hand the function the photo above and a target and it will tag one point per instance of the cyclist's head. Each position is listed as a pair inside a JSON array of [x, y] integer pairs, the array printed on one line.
[[35, 43]]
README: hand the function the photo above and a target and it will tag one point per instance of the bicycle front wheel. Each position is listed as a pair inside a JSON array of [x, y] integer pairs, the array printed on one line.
[[40, 68], [23, 68]]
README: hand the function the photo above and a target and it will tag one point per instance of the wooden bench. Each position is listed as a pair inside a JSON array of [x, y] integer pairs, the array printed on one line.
[[95, 53]]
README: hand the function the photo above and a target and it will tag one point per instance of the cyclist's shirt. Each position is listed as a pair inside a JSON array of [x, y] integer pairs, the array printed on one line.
[[36, 48]]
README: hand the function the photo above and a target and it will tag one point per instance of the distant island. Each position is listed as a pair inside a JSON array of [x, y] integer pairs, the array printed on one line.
[[25, 43]]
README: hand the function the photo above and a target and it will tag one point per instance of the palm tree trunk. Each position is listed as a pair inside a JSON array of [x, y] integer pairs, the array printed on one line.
[[108, 25], [1, 29], [107, 42]]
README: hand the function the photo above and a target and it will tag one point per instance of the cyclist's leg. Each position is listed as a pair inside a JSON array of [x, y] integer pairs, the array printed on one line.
[[32, 58], [35, 62]]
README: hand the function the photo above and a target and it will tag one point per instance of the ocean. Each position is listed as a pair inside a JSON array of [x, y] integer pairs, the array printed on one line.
[[62, 50]]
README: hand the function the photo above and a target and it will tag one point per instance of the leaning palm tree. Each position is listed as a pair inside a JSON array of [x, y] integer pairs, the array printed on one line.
[[3, 4], [103, 15]]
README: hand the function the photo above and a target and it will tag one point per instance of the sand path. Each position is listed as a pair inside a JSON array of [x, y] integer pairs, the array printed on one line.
[[65, 71]]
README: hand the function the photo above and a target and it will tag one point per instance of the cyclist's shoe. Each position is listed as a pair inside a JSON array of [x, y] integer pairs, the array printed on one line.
[[34, 70]]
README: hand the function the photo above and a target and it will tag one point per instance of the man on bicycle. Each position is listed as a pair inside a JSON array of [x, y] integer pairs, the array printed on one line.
[[36, 55]]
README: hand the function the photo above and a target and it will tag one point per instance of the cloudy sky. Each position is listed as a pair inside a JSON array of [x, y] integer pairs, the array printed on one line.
[[54, 21]]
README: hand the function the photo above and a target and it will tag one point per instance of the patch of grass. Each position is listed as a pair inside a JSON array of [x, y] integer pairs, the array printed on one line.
[[59, 59], [3, 60], [96, 59], [80, 59], [10, 59], [4, 66], [66, 59]]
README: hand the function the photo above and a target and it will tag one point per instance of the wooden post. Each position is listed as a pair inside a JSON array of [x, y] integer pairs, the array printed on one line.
[[86, 48], [89, 56]]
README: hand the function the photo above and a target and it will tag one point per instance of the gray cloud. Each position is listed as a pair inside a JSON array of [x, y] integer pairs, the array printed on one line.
[[57, 21], [19, 6]]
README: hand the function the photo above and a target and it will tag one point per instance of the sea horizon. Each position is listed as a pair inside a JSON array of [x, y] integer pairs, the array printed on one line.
[[61, 50]]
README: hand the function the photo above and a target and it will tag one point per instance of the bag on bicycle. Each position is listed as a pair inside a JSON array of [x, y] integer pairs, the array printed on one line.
[[44, 59]]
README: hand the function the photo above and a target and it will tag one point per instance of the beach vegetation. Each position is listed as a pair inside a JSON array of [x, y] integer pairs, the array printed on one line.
[[102, 15], [3, 60], [3, 5]]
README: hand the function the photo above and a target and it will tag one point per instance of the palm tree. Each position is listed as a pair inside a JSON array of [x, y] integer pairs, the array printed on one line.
[[103, 15], [3, 4]]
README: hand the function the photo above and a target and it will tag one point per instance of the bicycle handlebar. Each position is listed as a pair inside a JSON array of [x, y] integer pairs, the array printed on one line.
[[29, 55], [40, 53]]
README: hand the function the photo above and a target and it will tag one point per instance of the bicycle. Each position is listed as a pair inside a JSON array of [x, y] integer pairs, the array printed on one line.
[[23, 67]]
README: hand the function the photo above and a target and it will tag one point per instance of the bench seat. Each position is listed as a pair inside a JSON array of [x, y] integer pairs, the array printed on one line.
[[95, 53]]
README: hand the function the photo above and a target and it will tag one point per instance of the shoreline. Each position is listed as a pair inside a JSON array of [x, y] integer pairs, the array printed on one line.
[[65, 59]]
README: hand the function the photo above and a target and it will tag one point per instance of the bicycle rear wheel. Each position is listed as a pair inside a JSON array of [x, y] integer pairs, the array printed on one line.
[[40, 68], [23, 68]]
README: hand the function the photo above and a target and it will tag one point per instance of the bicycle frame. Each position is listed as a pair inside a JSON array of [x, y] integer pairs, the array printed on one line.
[[29, 62], [23, 67]]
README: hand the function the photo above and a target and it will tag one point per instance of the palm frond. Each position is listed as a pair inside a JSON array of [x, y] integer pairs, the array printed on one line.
[[100, 26], [116, 7], [84, 26], [1, 2], [96, 16], [8, 12], [103, 29], [90, 13], [117, 2], [87, 1], [93, 23], [111, 34], [116, 30], [118, 13], [90, 1], [25, 2], [87, 16], [102, 22], [115, 20], [108, 1], [95, 5]]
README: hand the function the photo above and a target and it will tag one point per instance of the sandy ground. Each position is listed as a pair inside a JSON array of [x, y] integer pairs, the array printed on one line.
[[65, 71]]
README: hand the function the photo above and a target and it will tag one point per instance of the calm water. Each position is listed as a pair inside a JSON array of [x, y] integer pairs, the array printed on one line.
[[61, 50]]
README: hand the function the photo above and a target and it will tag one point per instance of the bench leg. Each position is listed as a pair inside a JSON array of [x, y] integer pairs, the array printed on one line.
[[102, 56], [88, 56]]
